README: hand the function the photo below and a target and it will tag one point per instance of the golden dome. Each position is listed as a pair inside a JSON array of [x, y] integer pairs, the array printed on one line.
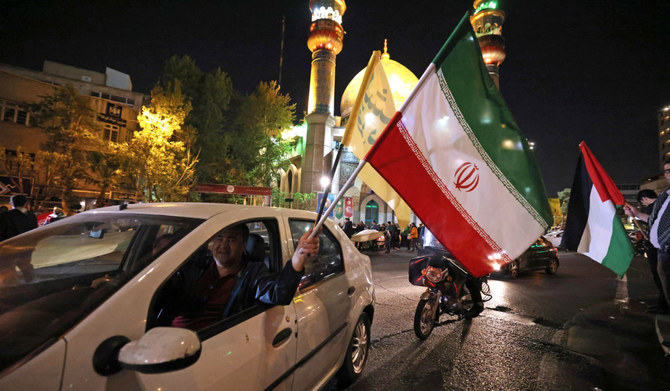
[[401, 80]]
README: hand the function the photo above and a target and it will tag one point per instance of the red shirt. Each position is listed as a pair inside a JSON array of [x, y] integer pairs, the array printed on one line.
[[211, 293]]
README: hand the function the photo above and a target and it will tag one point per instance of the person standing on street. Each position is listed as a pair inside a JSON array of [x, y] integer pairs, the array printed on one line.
[[18, 220], [348, 227], [648, 197], [659, 231], [413, 238]]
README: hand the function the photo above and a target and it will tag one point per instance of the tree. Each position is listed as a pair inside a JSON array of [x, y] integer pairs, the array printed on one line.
[[69, 122], [260, 119], [564, 198], [163, 166], [237, 136], [106, 170], [210, 95]]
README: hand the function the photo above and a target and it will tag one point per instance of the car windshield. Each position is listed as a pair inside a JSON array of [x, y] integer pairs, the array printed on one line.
[[51, 277]]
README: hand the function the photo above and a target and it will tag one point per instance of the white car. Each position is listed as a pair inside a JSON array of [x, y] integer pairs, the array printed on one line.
[[85, 304]]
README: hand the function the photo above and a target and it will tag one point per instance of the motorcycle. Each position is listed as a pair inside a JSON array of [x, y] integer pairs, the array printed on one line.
[[446, 289]]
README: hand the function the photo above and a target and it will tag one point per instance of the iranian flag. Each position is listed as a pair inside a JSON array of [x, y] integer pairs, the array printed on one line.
[[455, 154], [593, 227]]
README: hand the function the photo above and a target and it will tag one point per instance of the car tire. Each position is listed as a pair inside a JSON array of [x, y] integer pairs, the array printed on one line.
[[553, 267], [357, 353], [513, 269]]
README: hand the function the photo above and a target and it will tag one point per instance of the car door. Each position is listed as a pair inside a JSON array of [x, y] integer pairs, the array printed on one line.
[[236, 353], [323, 304], [250, 350]]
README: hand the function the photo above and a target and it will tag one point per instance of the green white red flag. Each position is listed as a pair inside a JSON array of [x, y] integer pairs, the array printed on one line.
[[455, 154], [593, 227]]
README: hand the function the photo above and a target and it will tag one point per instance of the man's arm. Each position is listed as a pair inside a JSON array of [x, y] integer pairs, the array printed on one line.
[[306, 248], [634, 212], [278, 289]]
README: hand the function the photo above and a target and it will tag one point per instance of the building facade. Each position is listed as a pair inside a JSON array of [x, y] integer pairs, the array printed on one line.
[[111, 97]]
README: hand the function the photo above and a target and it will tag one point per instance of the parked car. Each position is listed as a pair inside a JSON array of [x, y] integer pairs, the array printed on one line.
[[83, 304], [541, 255]]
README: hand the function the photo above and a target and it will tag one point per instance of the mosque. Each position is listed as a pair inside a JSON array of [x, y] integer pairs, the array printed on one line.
[[322, 131]]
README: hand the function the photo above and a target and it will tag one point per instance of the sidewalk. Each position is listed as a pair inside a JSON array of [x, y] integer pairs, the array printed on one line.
[[622, 338]]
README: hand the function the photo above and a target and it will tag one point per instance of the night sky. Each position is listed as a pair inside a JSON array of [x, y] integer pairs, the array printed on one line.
[[594, 70]]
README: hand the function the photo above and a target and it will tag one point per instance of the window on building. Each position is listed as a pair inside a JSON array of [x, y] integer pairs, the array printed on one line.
[[111, 133], [22, 117], [371, 212], [9, 114]]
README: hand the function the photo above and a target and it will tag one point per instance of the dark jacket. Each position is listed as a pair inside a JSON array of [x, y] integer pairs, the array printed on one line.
[[15, 222], [348, 228], [254, 284]]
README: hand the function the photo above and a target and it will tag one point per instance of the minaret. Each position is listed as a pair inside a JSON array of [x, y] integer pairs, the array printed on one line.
[[325, 43], [487, 22]]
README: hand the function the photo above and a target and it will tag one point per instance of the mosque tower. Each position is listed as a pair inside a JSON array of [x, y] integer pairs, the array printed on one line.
[[325, 43], [487, 21]]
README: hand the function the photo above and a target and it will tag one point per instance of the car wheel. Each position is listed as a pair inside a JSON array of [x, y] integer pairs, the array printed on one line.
[[553, 267], [357, 352], [513, 269]]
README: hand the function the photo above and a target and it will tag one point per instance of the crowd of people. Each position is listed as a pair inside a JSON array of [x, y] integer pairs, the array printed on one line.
[[17, 220], [394, 238]]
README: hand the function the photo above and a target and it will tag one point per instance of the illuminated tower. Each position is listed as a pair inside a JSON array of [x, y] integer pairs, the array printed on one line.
[[487, 22], [325, 42]]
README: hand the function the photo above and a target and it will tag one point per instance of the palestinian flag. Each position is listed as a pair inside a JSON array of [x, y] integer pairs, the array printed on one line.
[[455, 154], [593, 227]]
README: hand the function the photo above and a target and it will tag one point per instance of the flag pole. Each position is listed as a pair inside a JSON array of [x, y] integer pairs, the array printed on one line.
[[640, 228], [330, 184], [339, 195]]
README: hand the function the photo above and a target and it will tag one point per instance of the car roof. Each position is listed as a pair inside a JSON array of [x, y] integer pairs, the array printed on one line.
[[199, 210]]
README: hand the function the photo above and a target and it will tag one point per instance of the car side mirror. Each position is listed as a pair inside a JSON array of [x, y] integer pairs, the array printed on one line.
[[161, 349]]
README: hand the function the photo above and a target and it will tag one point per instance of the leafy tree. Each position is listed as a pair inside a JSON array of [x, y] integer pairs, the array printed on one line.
[[210, 95], [69, 122], [107, 169], [237, 136], [163, 166], [564, 198], [260, 119]]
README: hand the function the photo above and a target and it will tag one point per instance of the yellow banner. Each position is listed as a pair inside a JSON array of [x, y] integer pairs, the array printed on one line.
[[372, 110]]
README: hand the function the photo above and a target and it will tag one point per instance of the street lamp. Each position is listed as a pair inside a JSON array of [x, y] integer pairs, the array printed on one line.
[[325, 181]]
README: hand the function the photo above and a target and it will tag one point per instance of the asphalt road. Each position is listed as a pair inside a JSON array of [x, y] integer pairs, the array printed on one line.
[[581, 329]]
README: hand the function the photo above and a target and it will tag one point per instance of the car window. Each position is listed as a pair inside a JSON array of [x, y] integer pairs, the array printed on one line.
[[329, 260], [52, 277], [180, 301]]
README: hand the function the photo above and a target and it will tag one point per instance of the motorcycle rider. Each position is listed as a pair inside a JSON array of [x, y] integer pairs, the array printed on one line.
[[474, 284]]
